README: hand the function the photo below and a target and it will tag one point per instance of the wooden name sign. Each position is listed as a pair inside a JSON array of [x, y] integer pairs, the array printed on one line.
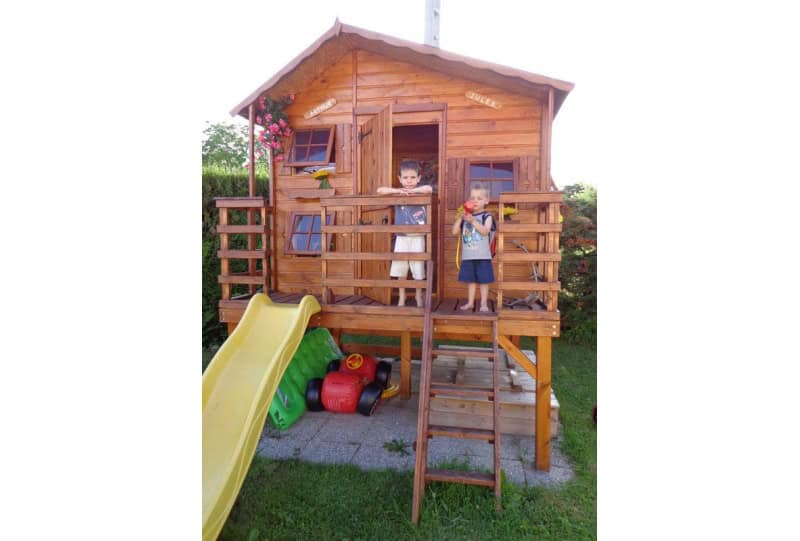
[[483, 100], [322, 107]]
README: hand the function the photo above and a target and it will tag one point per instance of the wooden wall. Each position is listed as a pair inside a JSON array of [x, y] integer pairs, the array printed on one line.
[[472, 130]]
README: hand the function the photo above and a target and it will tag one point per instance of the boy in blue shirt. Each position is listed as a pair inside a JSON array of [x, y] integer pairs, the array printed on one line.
[[408, 215], [476, 254]]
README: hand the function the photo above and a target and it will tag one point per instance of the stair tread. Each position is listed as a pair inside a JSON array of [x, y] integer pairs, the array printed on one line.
[[463, 353], [463, 433], [487, 392], [465, 477]]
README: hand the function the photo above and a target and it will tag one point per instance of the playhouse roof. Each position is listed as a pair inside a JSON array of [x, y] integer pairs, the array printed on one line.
[[342, 38]]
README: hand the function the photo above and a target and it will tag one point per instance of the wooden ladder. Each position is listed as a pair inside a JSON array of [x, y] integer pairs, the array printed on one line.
[[425, 431]]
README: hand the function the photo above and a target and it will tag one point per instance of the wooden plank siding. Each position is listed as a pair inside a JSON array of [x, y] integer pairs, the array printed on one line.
[[473, 130]]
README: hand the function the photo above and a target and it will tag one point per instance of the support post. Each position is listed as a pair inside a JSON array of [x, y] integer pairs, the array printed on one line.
[[544, 350], [405, 365]]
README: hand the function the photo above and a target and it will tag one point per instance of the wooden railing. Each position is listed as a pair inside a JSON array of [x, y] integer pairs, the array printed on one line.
[[253, 277], [547, 254], [355, 205]]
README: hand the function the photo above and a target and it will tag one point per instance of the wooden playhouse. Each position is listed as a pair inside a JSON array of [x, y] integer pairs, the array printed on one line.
[[363, 102]]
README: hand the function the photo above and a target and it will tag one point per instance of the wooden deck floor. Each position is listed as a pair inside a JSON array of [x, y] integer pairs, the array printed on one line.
[[440, 306]]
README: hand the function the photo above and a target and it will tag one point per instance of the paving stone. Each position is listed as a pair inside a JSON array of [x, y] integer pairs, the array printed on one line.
[[514, 470], [335, 438], [329, 452], [377, 457]]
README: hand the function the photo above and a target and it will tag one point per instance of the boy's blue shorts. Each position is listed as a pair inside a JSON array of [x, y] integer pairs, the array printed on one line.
[[476, 271]]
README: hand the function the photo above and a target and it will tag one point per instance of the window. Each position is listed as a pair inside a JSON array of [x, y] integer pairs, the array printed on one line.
[[305, 236], [496, 175], [311, 147]]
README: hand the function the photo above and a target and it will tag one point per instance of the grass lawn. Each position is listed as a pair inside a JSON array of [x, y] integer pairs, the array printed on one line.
[[289, 499]]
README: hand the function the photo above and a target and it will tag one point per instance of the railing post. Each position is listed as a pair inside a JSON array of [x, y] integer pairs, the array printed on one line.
[[323, 249], [500, 240], [224, 262]]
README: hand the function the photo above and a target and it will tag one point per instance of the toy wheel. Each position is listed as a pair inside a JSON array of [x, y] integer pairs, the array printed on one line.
[[314, 395], [333, 366], [383, 373], [369, 399]]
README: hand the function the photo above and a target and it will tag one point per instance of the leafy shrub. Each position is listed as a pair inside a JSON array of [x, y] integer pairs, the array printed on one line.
[[578, 270]]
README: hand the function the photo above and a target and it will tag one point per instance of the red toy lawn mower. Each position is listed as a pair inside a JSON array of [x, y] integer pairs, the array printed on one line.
[[354, 384]]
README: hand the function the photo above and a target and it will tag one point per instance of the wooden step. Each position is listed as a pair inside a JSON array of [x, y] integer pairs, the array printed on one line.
[[461, 433], [464, 477], [485, 354], [473, 392]]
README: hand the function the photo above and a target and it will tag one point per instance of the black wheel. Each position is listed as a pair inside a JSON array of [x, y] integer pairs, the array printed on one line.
[[314, 395], [369, 399], [383, 374], [333, 366]]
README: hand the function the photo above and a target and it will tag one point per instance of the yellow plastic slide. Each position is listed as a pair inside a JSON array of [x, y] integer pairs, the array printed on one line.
[[238, 387]]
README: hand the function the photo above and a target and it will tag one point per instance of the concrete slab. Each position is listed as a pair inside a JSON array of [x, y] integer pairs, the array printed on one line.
[[378, 442]]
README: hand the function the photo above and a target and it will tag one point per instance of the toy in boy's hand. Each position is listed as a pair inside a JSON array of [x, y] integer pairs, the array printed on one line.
[[468, 208]]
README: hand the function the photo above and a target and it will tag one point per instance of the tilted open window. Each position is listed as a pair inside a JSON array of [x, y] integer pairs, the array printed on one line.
[[311, 146], [305, 235]]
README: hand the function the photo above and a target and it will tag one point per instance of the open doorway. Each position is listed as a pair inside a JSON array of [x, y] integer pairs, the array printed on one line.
[[420, 142]]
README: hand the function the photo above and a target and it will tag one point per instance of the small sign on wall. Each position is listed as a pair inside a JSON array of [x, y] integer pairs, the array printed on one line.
[[483, 100], [321, 108]]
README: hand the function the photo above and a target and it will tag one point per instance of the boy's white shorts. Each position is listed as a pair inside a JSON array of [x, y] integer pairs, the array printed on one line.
[[400, 268]]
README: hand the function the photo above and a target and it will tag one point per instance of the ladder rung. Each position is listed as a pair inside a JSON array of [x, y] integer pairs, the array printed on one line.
[[461, 433], [475, 392], [464, 353], [465, 477]]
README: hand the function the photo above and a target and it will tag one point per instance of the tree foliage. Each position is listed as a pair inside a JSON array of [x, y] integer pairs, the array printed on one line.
[[578, 270]]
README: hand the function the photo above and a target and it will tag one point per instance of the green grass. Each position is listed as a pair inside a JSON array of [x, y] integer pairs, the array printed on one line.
[[289, 499]]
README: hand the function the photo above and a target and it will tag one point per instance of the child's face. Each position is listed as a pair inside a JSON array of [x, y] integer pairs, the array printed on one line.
[[478, 199], [408, 178]]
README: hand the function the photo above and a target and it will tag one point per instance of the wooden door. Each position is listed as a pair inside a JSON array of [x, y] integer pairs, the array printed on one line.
[[375, 157]]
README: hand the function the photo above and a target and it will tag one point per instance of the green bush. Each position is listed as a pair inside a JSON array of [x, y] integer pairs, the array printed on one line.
[[578, 270], [220, 182]]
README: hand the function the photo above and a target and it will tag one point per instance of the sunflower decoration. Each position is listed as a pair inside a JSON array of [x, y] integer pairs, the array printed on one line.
[[322, 176], [508, 212]]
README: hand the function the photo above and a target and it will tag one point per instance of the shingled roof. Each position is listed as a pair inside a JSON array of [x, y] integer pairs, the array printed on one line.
[[342, 38]]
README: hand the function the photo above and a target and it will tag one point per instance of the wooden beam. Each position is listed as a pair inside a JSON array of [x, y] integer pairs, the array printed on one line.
[[405, 365], [521, 359], [251, 185], [544, 350]]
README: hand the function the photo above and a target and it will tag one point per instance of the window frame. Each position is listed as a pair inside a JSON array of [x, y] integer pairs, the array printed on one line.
[[289, 247], [312, 129], [514, 174]]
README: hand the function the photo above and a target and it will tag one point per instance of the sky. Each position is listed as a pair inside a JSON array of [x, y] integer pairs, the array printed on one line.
[[547, 38]]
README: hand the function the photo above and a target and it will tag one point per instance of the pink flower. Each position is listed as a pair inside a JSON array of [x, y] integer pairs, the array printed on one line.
[[267, 118], [247, 166], [282, 123], [291, 97], [279, 158], [275, 144], [287, 132], [274, 128], [258, 120]]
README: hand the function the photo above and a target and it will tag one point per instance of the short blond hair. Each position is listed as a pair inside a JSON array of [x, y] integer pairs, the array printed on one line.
[[479, 187]]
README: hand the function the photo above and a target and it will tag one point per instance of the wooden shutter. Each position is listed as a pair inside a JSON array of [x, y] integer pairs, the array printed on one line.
[[455, 179], [528, 174], [344, 149]]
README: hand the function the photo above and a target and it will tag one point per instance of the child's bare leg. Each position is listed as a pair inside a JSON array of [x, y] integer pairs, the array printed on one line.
[[401, 297], [484, 295], [470, 297], [420, 302]]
